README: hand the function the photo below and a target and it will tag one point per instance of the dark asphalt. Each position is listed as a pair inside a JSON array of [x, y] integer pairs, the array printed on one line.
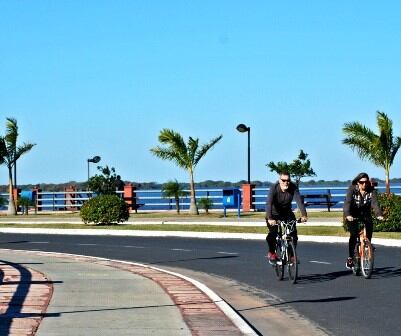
[[326, 292]]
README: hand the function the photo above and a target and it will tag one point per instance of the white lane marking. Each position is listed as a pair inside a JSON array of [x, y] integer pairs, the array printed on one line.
[[230, 253], [133, 246], [87, 244], [320, 262], [185, 250], [39, 242]]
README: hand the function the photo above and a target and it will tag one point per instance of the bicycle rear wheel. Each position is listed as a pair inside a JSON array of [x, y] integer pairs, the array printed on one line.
[[367, 259], [279, 266], [292, 262], [356, 269]]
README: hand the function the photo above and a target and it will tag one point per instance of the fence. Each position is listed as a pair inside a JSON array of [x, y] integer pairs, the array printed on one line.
[[148, 200]]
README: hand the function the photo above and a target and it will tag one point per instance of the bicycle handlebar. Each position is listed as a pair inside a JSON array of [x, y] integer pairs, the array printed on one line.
[[299, 220]]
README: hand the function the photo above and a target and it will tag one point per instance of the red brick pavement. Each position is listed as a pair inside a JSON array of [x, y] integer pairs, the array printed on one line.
[[24, 297]]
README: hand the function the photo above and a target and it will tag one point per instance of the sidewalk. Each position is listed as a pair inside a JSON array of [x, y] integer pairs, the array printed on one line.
[[48, 294]]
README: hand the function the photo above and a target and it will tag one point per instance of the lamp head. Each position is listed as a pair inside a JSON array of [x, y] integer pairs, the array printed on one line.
[[242, 128], [95, 159]]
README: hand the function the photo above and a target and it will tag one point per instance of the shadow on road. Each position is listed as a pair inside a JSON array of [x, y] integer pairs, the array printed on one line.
[[319, 277], [324, 300], [386, 272]]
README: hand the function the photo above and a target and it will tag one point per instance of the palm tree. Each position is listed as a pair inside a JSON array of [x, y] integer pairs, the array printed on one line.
[[9, 154], [380, 148], [185, 155], [173, 189]]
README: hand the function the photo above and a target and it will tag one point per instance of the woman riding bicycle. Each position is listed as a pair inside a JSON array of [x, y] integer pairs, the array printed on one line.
[[360, 199], [278, 207]]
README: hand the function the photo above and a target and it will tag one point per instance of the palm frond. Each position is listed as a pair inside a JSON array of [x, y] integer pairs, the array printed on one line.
[[5, 156], [357, 130], [3, 151], [385, 133], [193, 145], [175, 141], [360, 138], [169, 154], [11, 133], [395, 148], [204, 149], [21, 150]]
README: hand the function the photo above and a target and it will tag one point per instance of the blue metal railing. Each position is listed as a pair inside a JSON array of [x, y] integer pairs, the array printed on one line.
[[153, 199]]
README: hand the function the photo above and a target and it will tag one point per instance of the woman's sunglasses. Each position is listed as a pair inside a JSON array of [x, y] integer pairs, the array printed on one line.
[[363, 182]]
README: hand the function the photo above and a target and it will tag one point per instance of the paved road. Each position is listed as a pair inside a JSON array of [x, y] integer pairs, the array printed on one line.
[[327, 294]]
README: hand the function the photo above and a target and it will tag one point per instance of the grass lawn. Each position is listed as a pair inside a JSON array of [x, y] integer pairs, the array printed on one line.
[[172, 215]]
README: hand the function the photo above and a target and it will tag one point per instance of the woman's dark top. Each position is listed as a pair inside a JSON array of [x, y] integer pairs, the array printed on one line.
[[359, 206], [278, 203]]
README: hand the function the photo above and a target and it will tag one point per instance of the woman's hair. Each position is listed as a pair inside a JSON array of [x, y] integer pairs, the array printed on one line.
[[358, 177]]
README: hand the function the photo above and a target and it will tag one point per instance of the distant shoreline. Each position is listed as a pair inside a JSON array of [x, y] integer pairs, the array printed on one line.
[[203, 184]]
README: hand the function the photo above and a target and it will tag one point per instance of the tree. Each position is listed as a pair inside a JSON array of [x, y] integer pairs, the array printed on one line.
[[10, 152], [173, 189], [104, 183], [380, 148], [298, 169], [185, 155]]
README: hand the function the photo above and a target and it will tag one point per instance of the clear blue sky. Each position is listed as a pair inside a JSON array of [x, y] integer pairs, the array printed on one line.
[[88, 78]]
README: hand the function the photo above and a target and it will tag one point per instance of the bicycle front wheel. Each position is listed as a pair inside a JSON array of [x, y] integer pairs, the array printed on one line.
[[292, 262], [367, 259], [279, 266]]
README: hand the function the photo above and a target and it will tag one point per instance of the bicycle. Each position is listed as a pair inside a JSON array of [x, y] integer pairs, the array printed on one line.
[[363, 254], [285, 250]]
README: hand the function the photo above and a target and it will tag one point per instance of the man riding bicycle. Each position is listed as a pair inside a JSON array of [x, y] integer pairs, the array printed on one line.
[[278, 207], [360, 199]]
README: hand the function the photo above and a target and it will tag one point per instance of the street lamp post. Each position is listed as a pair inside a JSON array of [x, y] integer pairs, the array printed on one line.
[[243, 128], [95, 159]]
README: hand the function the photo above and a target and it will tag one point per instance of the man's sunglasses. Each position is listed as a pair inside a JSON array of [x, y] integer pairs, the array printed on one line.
[[284, 180]]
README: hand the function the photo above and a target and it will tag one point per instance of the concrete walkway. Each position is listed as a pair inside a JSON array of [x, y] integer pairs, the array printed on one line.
[[59, 294]]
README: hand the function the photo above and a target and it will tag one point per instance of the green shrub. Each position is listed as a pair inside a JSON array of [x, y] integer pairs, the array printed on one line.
[[104, 209], [205, 203], [391, 207], [25, 203]]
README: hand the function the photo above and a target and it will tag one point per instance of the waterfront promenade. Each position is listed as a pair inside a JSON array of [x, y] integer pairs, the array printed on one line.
[[62, 294]]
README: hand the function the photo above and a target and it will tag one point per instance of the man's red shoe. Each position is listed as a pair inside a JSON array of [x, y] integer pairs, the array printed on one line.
[[272, 257]]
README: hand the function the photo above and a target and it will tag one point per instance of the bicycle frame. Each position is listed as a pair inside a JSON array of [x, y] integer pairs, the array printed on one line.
[[286, 250], [364, 255]]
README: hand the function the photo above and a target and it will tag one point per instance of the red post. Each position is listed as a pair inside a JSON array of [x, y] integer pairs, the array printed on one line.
[[130, 196], [247, 197], [37, 198], [16, 193], [70, 198]]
